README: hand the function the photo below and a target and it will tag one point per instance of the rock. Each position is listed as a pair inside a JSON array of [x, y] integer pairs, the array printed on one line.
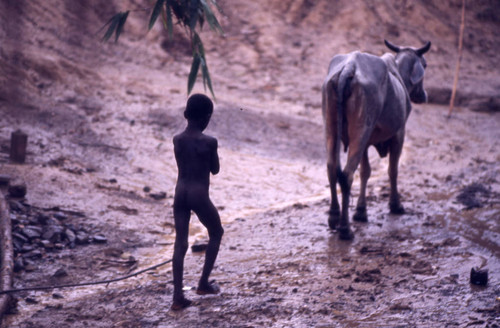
[[146, 189], [42, 218], [198, 247], [21, 218], [100, 239], [34, 254], [70, 235], [368, 276], [4, 179], [58, 246], [21, 238], [32, 232], [479, 276], [13, 219], [16, 206], [53, 233], [27, 248], [17, 189], [82, 238], [47, 244], [60, 273], [29, 266], [60, 216], [57, 296], [17, 245], [113, 252], [51, 221], [470, 196], [18, 264], [159, 195], [33, 221]]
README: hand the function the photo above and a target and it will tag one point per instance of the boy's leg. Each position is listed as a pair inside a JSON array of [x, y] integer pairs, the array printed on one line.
[[181, 218], [210, 218]]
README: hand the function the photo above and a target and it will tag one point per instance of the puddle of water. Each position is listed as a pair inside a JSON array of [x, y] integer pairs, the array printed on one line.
[[479, 226]]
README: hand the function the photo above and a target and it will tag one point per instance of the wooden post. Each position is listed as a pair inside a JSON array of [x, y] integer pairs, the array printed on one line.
[[18, 144]]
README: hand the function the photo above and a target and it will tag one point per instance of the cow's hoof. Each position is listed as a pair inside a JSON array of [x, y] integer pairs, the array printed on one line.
[[396, 208], [360, 215], [333, 222], [333, 219], [346, 234]]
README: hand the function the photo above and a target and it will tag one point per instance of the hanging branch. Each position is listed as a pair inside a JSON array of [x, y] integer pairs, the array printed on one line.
[[457, 69], [191, 14]]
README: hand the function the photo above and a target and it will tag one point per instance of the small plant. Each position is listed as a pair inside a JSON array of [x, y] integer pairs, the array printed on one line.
[[190, 14]]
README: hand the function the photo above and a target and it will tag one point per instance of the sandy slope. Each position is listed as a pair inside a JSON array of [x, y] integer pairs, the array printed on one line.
[[96, 112]]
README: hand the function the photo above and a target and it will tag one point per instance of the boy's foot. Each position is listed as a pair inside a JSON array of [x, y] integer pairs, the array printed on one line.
[[210, 288], [180, 304]]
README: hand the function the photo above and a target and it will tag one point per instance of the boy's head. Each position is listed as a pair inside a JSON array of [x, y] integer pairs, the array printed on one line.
[[199, 107]]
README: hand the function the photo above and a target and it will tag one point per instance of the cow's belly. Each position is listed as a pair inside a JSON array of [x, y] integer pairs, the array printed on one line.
[[380, 135], [387, 127]]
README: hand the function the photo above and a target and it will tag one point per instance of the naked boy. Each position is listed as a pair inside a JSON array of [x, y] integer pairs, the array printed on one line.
[[196, 156]]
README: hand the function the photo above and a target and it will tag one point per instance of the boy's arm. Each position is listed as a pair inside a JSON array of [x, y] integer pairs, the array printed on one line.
[[214, 165]]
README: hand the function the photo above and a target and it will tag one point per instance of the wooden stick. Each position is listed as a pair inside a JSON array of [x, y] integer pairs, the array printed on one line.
[[7, 255], [457, 69]]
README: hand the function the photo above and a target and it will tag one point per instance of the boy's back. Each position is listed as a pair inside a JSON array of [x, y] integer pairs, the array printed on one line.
[[196, 156]]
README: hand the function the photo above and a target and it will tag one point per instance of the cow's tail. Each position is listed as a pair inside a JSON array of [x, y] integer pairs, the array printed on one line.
[[343, 92]]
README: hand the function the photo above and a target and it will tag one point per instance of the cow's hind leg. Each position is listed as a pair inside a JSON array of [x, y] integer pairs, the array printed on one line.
[[360, 215], [345, 180], [396, 146], [344, 229], [330, 116], [334, 211]]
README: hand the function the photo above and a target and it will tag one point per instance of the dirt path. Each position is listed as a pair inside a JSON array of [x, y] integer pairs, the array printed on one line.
[[283, 267]]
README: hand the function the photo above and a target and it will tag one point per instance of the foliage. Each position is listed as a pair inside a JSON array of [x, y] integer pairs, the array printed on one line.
[[190, 14]]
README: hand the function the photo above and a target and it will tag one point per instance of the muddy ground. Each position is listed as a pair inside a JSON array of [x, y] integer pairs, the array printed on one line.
[[100, 119]]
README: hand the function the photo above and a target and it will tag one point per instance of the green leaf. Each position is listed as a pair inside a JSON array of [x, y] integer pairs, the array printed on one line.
[[206, 76], [178, 10], [211, 19], [194, 71], [197, 45], [113, 23], [121, 23], [194, 14], [170, 25], [214, 2], [156, 12]]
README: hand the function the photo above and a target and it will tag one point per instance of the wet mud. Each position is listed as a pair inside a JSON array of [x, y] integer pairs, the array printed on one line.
[[281, 265]]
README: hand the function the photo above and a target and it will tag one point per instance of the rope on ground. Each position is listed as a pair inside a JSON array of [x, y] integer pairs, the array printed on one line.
[[9, 291]]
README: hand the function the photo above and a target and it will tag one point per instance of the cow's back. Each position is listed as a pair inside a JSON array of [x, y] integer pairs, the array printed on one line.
[[369, 70]]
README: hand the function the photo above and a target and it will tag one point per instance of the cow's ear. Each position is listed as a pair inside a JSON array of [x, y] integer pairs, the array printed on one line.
[[417, 73]]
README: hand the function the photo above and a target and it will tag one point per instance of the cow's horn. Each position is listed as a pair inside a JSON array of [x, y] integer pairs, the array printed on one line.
[[391, 46], [424, 49]]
